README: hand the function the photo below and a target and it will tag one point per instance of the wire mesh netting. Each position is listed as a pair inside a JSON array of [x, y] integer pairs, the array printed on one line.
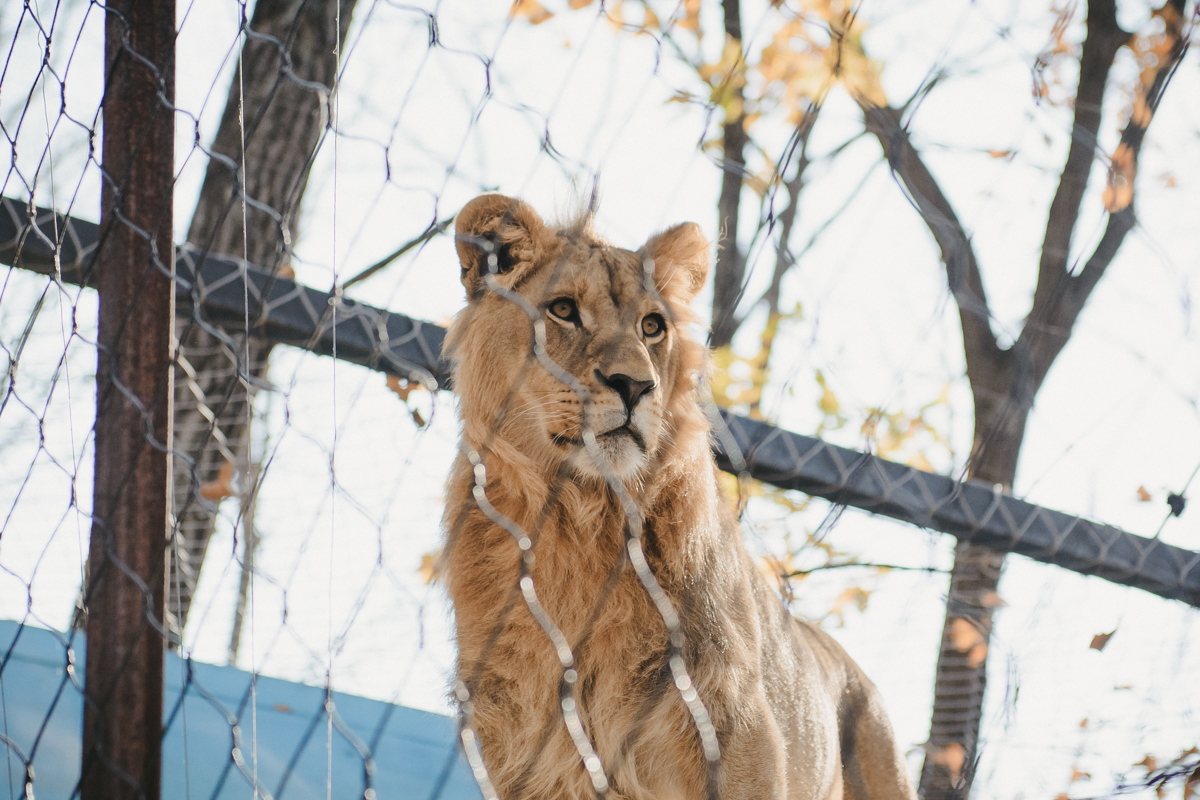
[[321, 152]]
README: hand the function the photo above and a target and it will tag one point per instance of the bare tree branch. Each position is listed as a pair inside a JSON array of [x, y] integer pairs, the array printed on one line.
[[792, 257], [1104, 38], [1061, 296], [983, 353], [784, 260]]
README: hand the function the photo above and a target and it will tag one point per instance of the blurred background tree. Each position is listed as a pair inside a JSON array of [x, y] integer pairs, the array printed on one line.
[[276, 115], [814, 47]]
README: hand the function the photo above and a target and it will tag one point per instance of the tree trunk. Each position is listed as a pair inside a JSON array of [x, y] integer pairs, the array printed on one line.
[[1005, 382], [292, 44], [961, 677], [730, 269]]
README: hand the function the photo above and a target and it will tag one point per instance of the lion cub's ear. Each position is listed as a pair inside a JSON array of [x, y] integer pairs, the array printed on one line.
[[498, 235], [680, 256]]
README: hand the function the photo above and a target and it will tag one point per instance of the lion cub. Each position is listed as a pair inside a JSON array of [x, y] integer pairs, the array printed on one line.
[[583, 511]]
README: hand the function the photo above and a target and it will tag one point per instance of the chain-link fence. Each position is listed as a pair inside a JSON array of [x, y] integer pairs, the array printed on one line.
[[303, 495]]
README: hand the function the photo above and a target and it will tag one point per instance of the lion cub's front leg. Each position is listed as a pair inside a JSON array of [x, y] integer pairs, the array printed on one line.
[[753, 758], [871, 765]]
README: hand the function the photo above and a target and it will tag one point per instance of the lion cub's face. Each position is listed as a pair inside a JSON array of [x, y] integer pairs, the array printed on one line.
[[571, 349]]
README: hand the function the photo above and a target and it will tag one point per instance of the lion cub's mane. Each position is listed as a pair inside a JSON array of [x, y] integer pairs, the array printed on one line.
[[777, 691]]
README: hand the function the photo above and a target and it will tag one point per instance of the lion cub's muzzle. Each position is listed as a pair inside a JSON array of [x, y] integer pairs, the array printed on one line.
[[631, 390], [625, 433]]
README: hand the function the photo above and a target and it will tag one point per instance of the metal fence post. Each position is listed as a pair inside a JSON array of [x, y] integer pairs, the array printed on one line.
[[122, 728]]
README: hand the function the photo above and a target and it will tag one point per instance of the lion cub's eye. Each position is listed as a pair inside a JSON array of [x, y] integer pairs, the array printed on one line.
[[565, 309], [653, 326]]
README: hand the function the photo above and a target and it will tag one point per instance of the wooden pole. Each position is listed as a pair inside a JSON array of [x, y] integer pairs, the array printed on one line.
[[122, 726]]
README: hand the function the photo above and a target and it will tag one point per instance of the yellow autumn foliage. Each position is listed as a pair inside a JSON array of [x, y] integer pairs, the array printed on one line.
[[532, 10], [690, 21], [1152, 49], [812, 48], [727, 79], [1122, 170], [730, 390]]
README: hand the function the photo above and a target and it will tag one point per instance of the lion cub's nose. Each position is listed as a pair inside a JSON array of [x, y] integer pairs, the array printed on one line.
[[631, 390]]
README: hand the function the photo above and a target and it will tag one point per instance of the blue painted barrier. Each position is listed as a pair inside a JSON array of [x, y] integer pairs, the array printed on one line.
[[379, 750]]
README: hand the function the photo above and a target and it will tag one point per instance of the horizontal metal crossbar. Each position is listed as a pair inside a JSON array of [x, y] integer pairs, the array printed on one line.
[[284, 311], [279, 309], [970, 510]]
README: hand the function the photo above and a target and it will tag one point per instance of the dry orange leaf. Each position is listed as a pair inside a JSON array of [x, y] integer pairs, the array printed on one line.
[[1149, 762], [403, 388], [1141, 114], [691, 16], [1143, 496], [615, 14], [1154, 52], [578, 4], [776, 570], [977, 656], [992, 600], [964, 635], [220, 488], [967, 638], [1001, 153], [921, 462], [1118, 194], [853, 594], [532, 10], [1061, 24], [952, 757], [1079, 775], [400, 386], [428, 570], [1100, 640]]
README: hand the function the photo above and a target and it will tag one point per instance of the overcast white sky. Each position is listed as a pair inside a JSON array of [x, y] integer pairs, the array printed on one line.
[[340, 554]]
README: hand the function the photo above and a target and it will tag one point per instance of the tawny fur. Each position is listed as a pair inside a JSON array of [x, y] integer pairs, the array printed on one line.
[[795, 717]]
